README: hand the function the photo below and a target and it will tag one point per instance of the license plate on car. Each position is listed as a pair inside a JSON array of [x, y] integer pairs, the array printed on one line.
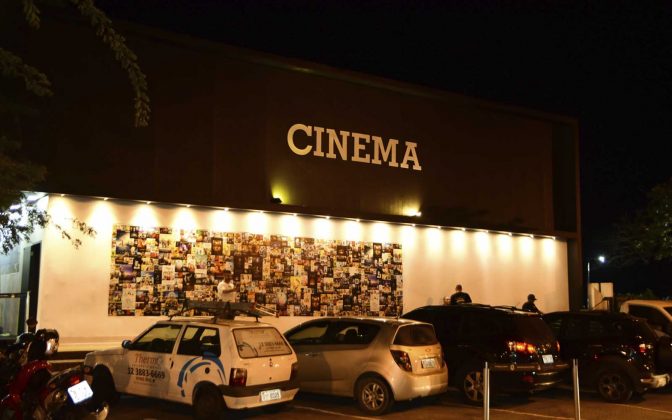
[[428, 363], [80, 392], [270, 395], [547, 358]]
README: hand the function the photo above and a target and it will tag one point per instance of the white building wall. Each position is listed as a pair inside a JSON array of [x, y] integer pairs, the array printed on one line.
[[493, 268]]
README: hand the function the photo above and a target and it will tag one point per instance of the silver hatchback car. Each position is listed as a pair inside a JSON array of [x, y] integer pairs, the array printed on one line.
[[376, 360]]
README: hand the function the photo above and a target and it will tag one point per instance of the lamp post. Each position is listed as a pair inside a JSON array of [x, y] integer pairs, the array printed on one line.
[[601, 259]]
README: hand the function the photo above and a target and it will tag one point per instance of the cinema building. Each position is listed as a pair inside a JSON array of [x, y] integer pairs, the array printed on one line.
[[317, 191]]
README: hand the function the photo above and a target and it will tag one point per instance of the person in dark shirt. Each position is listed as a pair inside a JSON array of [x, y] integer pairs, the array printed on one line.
[[459, 296], [529, 306]]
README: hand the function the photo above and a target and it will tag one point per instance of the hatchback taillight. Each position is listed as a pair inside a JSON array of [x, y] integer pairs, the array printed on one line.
[[402, 359], [295, 370], [238, 377]]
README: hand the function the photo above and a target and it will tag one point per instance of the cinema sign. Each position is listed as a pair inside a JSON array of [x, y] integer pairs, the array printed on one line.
[[356, 147]]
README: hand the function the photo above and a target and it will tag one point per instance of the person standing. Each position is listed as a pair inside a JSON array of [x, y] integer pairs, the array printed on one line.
[[529, 306], [459, 296], [226, 290]]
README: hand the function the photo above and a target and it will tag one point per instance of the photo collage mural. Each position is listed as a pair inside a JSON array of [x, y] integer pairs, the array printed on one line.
[[155, 269]]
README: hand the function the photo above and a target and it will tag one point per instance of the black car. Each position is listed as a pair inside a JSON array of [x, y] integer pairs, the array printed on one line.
[[521, 351], [617, 353]]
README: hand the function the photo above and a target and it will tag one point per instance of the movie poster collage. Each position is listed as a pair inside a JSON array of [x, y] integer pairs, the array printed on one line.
[[154, 270]]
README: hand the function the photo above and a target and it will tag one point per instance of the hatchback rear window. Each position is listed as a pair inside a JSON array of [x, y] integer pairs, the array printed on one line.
[[415, 335], [260, 342]]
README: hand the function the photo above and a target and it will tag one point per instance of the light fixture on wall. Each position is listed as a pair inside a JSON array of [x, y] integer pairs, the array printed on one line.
[[276, 200]]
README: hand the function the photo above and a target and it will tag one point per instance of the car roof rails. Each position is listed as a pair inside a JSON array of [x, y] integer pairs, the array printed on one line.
[[226, 310]]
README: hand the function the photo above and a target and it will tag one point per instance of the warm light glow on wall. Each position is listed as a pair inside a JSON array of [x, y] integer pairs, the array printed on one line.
[[408, 236], [353, 230], [458, 242], [184, 219], [280, 190], [60, 211], [433, 241], [323, 228], [381, 232], [290, 225], [504, 246], [222, 221], [526, 246], [482, 240], [145, 217], [257, 222], [101, 218], [548, 250]]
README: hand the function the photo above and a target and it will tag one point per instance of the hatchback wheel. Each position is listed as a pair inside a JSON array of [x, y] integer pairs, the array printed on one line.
[[614, 386], [471, 385], [103, 387], [208, 404], [373, 395]]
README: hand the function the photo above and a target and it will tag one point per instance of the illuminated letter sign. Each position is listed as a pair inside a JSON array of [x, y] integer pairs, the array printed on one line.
[[356, 147]]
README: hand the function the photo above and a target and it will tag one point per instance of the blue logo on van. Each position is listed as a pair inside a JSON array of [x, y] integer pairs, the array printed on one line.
[[207, 360]]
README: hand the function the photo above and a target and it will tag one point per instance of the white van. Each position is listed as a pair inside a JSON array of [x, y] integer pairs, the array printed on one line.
[[210, 364], [658, 313]]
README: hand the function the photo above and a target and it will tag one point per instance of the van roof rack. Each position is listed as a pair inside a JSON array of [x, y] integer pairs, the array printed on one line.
[[226, 310]]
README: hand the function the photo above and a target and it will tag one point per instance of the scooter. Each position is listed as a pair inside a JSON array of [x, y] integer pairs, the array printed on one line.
[[35, 393]]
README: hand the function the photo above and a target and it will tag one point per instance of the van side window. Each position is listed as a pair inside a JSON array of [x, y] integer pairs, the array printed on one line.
[[160, 339], [198, 340]]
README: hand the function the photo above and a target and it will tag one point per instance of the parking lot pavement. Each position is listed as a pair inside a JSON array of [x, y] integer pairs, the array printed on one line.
[[554, 404]]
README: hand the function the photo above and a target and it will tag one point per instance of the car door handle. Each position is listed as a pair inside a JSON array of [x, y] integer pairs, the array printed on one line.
[[310, 354]]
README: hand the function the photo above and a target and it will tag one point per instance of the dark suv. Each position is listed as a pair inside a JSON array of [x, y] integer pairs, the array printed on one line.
[[617, 353], [520, 348]]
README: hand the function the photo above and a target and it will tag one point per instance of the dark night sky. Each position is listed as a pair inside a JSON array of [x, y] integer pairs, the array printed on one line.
[[607, 63]]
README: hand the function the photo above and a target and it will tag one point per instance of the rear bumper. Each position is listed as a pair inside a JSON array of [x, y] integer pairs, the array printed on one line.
[[529, 377], [656, 381], [239, 397], [408, 386]]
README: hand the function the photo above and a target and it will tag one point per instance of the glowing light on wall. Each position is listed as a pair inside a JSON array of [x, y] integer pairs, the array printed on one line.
[[458, 242], [323, 228], [526, 247], [408, 237], [184, 219], [222, 221], [101, 218], [505, 246], [353, 230], [433, 241], [290, 225], [60, 211], [145, 217], [482, 240], [548, 250], [257, 222], [381, 232]]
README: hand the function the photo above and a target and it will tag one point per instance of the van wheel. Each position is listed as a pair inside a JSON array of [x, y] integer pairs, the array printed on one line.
[[208, 403], [470, 383], [103, 387], [373, 395], [614, 385]]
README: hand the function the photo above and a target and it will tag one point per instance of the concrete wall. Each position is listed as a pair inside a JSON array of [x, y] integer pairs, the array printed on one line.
[[494, 268]]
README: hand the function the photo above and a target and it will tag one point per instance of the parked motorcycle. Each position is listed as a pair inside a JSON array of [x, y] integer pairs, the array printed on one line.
[[34, 392]]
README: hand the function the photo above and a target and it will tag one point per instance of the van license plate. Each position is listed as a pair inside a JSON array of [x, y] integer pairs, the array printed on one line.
[[270, 395], [547, 358], [428, 363]]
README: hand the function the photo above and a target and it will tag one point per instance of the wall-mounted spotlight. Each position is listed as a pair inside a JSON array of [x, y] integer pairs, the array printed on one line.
[[276, 200]]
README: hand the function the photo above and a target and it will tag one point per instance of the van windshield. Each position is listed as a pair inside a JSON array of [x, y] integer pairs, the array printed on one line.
[[260, 342]]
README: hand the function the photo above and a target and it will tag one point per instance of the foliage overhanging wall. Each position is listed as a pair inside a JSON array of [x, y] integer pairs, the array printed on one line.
[[155, 269]]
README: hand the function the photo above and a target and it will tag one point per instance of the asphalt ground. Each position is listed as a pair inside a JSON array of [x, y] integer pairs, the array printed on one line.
[[552, 404]]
